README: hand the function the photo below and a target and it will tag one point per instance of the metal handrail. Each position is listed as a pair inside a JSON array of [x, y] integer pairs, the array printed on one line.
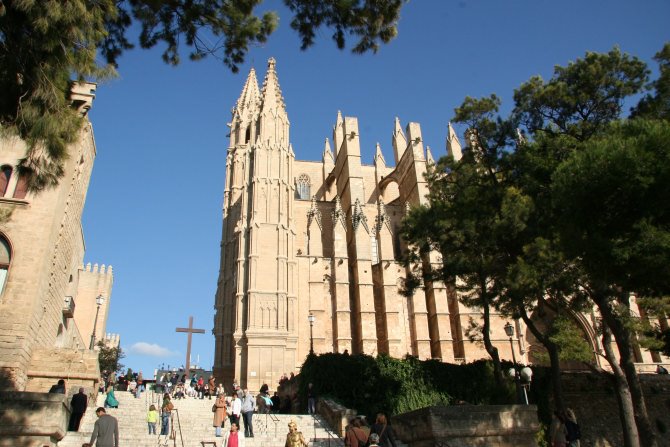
[[274, 419], [331, 433]]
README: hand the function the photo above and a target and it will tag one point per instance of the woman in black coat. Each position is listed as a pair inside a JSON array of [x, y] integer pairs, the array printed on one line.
[[384, 430]]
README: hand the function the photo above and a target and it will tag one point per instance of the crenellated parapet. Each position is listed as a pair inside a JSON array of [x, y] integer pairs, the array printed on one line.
[[112, 340], [99, 269]]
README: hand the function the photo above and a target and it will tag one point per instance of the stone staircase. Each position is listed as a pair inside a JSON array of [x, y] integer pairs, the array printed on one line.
[[193, 425]]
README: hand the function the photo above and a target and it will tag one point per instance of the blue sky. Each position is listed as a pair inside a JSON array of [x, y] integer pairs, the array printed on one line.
[[153, 209]]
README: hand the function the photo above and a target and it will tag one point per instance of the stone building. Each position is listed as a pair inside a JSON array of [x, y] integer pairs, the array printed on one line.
[[320, 238], [47, 297]]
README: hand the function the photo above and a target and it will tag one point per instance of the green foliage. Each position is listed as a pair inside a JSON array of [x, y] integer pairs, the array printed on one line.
[[44, 43], [657, 105], [549, 217], [570, 340], [109, 358], [582, 97], [655, 338], [613, 198], [371, 21], [393, 386]]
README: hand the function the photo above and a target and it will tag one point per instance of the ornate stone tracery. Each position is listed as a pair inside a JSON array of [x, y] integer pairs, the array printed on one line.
[[358, 217]]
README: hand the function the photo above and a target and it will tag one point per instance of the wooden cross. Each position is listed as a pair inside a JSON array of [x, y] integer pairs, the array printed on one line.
[[190, 330]]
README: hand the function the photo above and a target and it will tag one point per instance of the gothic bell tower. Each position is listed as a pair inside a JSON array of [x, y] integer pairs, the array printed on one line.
[[256, 300]]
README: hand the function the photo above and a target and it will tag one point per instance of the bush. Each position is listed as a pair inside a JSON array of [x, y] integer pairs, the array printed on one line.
[[392, 386]]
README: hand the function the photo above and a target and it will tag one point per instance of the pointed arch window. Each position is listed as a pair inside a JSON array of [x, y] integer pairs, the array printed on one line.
[[5, 175], [303, 187], [5, 259]]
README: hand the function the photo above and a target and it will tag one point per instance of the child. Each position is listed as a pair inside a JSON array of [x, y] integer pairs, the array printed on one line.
[[152, 419]]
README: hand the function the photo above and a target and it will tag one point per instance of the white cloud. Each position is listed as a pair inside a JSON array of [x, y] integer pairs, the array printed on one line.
[[150, 349]]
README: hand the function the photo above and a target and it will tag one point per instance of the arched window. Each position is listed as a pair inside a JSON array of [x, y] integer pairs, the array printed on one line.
[[303, 187], [21, 187], [5, 175], [5, 258]]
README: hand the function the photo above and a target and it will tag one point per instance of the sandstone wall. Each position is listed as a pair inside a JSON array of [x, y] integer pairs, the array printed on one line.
[[594, 402]]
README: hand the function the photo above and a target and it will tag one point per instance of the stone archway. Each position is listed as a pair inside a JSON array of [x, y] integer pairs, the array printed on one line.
[[543, 317]]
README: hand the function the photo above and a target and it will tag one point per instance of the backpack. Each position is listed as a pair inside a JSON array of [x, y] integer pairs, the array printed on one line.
[[574, 433]]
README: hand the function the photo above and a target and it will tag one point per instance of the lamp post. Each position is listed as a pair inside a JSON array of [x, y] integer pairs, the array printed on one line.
[[526, 377], [311, 318], [509, 330], [99, 301]]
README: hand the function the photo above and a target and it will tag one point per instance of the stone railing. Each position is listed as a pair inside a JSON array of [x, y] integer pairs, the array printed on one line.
[[469, 425], [32, 418], [335, 415]]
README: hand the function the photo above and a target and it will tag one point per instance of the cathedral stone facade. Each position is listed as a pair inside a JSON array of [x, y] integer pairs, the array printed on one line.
[[308, 238]]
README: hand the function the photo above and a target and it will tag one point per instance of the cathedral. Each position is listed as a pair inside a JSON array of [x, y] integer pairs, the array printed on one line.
[[310, 253]]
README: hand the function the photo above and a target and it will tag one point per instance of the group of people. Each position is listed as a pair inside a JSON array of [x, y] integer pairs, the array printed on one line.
[[196, 387], [78, 404], [359, 434], [240, 404]]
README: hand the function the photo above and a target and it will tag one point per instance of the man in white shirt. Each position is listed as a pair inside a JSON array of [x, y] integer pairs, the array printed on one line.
[[235, 408]]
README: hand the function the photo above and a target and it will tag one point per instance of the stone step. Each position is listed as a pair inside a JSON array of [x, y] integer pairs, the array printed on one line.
[[195, 421]]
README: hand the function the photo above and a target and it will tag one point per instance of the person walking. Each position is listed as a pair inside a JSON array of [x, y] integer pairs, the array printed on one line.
[[235, 409], [233, 438], [105, 431], [248, 403], [373, 440], [78, 405], [212, 387], [219, 413], [140, 386], [110, 400], [382, 428], [311, 399], [152, 419], [166, 411]]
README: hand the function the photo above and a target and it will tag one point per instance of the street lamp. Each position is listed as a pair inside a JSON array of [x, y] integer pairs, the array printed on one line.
[[526, 378], [99, 301], [311, 318], [514, 372]]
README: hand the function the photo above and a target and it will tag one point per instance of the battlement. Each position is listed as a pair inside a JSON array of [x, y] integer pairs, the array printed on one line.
[[113, 340], [102, 269]]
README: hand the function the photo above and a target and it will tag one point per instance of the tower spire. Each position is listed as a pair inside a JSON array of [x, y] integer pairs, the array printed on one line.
[[250, 94], [453, 144], [271, 93], [245, 111], [399, 141], [274, 121]]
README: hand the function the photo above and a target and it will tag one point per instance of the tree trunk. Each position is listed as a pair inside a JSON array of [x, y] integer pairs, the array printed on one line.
[[622, 336], [626, 410], [492, 350], [554, 361]]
